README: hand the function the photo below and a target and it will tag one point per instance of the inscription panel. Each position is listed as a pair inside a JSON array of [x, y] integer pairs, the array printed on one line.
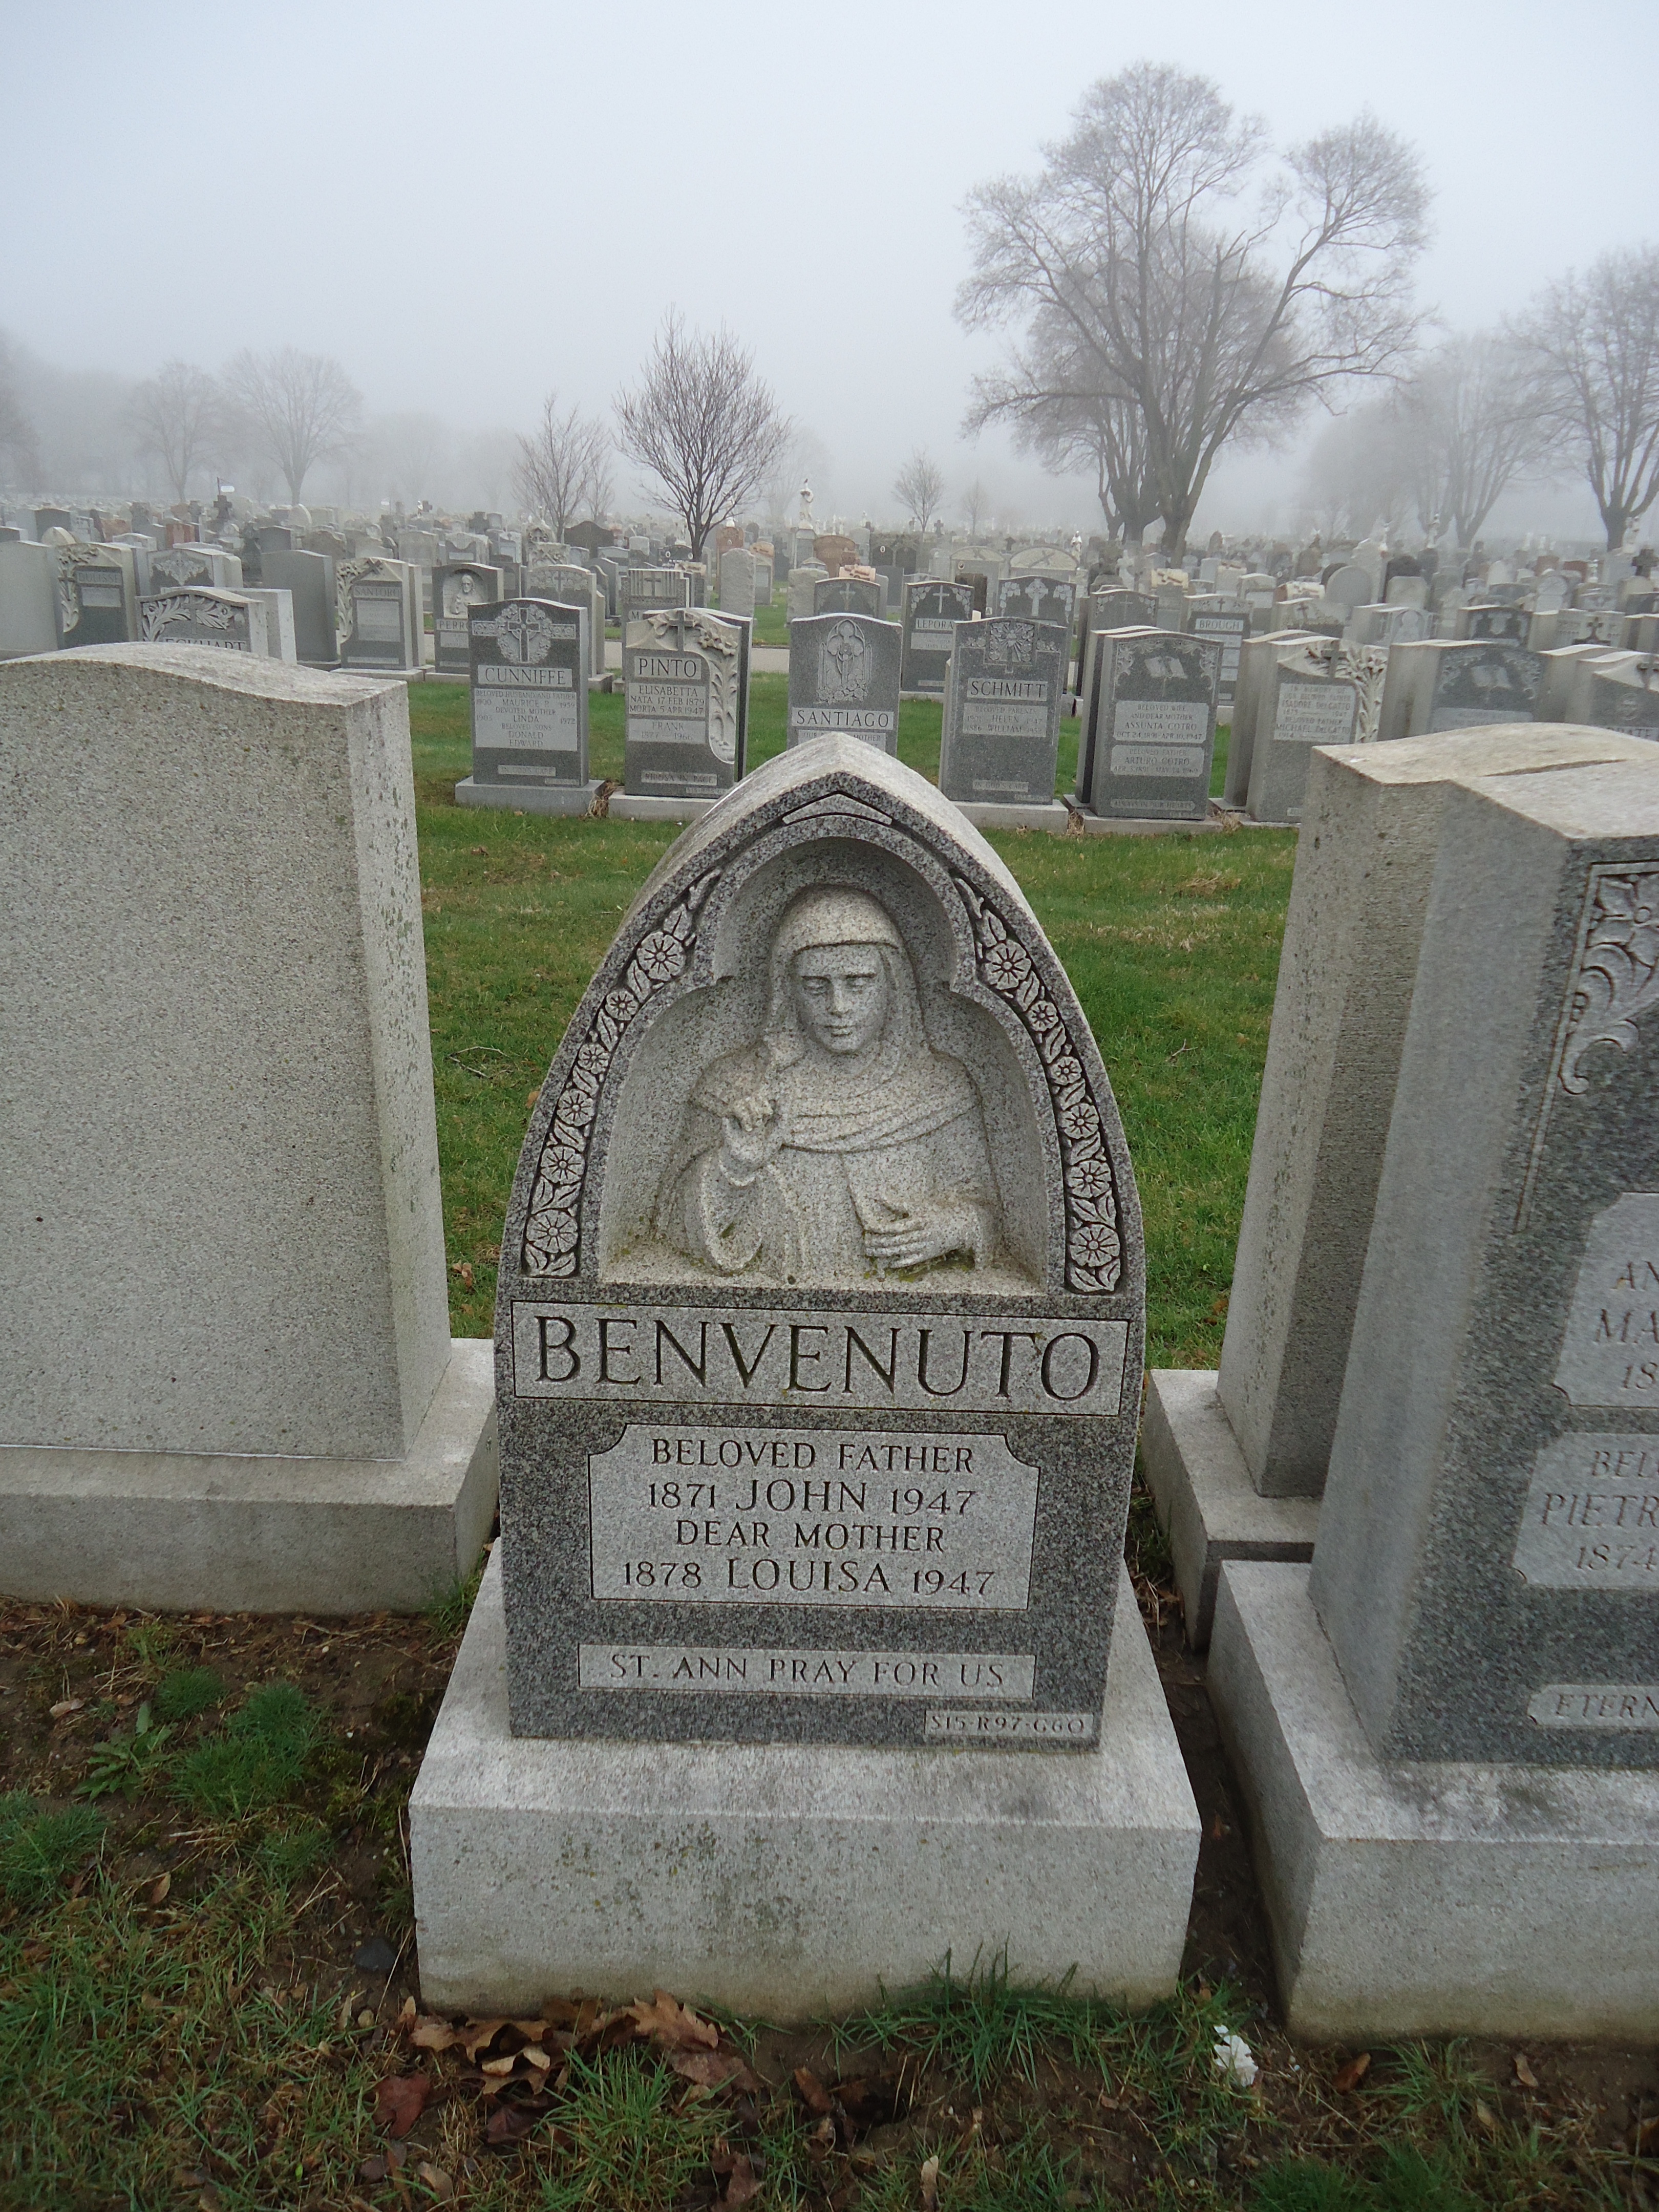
[[1615, 1707], [770, 1671], [1592, 1516], [681, 1355], [775, 1516], [1610, 1353]]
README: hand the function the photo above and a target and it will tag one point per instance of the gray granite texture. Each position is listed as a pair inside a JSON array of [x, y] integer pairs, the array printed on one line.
[[528, 692], [848, 595], [737, 582], [28, 599], [1040, 598], [999, 737], [226, 622], [571, 586], [791, 1880], [844, 675], [308, 578], [1364, 868], [1255, 657], [378, 616], [1303, 701], [1618, 691], [686, 672], [457, 586], [1508, 624], [1228, 626], [1444, 684], [819, 1318], [931, 610], [1487, 1567], [1150, 736], [1414, 1898], [1201, 1492], [220, 1145]]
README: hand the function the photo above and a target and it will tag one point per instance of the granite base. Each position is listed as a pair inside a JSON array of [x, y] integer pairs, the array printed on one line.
[[632, 807], [1205, 1503], [986, 814], [789, 1881], [1107, 825], [239, 1534], [527, 797], [1427, 1898]]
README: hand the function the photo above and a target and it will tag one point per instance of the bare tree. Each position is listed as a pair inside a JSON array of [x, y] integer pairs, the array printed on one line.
[[1471, 422], [921, 485], [975, 502], [1594, 340], [299, 409], [175, 418], [702, 423], [1217, 324], [1050, 396], [1360, 473], [564, 465]]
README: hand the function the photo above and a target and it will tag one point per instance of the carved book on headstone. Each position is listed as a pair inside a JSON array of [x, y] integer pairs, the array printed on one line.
[[821, 1300]]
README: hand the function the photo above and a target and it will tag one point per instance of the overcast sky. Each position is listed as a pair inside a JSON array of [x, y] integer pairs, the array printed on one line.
[[470, 204]]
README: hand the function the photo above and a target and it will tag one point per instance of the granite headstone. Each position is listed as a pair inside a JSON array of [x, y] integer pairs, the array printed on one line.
[[931, 610], [1000, 732], [844, 676]]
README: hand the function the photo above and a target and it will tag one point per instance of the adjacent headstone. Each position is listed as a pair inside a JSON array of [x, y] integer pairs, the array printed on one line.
[[28, 598], [573, 586], [97, 602], [931, 610], [1150, 725], [1404, 624], [1512, 623], [529, 700], [1457, 684], [803, 590], [226, 1373], [846, 595], [458, 586], [1255, 657], [821, 1308], [844, 676], [1616, 691], [684, 675], [1228, 629], [378, 616], [309, 580], [1303, 701], [1000, 732], [738, 582], [279, 619], [196, 615], [642, 590], [178, 567]]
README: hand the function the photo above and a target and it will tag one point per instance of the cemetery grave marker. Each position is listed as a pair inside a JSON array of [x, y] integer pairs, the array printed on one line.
[[196, 616], [685, 674], [1303, 700], [309, 580], [378, 618], [1001, 732], [931, 610], [846, 595], [1152, 734], [529, 701], [844, 676], [458, 586]]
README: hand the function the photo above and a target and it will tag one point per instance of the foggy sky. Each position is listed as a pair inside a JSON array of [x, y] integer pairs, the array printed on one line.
[[467, 205]]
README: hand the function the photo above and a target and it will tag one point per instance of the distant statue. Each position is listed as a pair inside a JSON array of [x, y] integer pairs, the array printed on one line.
[[804, 519], [840, 1144]]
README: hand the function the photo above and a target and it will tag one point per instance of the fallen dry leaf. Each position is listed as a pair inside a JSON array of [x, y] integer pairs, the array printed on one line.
[[1484, 2114], [713, 2069], [1523, 2073], [399, 2100], [158, 1889], [434, 2034], [478, 2034], [1350, 2076], [499, 2065], [532, 1098], [673, 2025], [822, 2140], [65, 1706], [437, 2181], [406, 2016], [741, 2184], [814, 2095], [930, 2184], [463, 1269], [508, 2123], [373, 2169]]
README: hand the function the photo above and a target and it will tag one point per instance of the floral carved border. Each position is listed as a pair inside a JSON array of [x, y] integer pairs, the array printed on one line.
[[1615, 977], [552, 1230], [1094, 1242]]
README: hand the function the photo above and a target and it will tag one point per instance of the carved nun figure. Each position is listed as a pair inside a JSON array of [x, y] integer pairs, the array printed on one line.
[[840, 1144]]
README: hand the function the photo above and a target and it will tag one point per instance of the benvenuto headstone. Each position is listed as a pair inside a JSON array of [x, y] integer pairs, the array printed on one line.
[[1000, 732], [821, 1301], [1149, 734], [932, 611], [844, 676], [529, 701], [819, 1341]]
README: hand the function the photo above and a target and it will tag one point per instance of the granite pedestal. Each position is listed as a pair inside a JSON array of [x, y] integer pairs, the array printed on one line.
[[791, 1880], [1427, 1898], [528, 797], [639, 808], [1205, 1503], [1055, 817], [242, 1532]]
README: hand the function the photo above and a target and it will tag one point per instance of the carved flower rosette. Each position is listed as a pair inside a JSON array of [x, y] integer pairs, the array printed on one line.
[[1094, 1245]]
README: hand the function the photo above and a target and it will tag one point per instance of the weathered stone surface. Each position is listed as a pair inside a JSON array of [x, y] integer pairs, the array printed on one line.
[[1363, 867], [457, 586], [791, 1880], [226, 622], [377, 618], [1148, 709], [999, 737], [308, 578], [1515, 1884], [687, 676], [1303, 701], [825, 1225], [931, 610], [1487, 1567], [844, 676], [846, 595], [529, 696], [219, 1135], [1444, 684]]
